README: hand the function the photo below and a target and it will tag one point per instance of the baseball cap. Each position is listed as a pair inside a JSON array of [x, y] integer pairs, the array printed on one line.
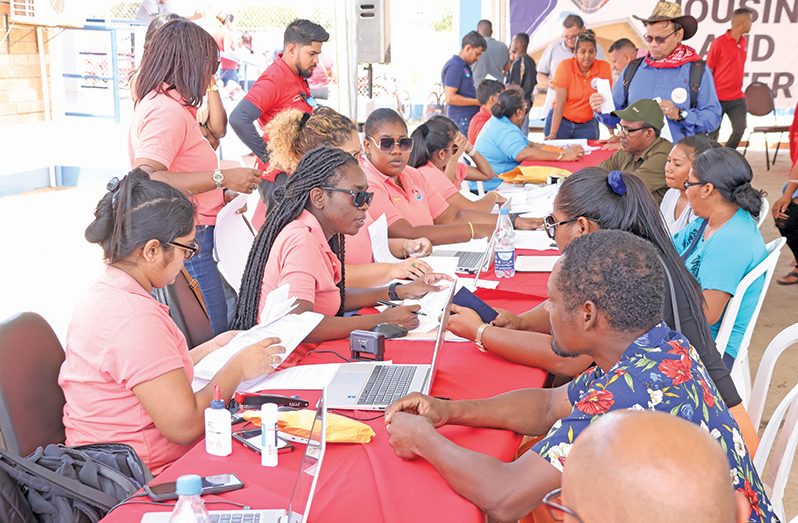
[[644, 110]]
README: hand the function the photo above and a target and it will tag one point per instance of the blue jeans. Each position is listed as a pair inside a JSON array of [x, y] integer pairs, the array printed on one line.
[[229, 75], [202, 268], [571, 130], [462, 123]]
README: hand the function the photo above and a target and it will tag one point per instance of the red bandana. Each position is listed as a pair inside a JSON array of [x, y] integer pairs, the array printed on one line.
[[680, 56]]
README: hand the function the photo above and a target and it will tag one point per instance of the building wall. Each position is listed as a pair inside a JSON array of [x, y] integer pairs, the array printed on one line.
[[21, 99]]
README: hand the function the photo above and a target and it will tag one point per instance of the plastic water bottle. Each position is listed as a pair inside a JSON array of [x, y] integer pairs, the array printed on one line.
[[504, 246], [189, 507]]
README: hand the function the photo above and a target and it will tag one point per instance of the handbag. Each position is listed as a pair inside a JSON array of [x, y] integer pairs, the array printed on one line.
[[76, 484]]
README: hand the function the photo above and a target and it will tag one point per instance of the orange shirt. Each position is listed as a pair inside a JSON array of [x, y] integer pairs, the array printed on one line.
[[302, 258], [579, 87], [165, 130], [118, 338], [415, 201]]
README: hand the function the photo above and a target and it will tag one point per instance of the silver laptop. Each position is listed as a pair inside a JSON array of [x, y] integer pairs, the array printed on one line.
[[298, 508], [374, 386]]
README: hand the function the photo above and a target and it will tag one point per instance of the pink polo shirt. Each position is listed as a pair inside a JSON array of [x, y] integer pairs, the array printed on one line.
[[358, 247], [119, 337], [302, 258], [416, 201], [438, 180], [165, 130]]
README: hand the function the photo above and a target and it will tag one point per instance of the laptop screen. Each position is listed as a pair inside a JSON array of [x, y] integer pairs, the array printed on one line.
[[439, 338], [299, 506]]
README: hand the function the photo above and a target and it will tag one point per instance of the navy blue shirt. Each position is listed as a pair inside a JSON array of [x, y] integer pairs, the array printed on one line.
[[457, 73]]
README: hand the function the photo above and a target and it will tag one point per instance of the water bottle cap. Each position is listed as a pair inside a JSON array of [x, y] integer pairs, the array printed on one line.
[[504, 210], [189, 485]]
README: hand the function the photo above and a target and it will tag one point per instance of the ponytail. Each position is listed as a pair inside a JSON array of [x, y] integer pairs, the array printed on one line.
[[428, 139]]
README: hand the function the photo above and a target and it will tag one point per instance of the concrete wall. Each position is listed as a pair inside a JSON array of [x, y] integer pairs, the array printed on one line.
[[21, 99]]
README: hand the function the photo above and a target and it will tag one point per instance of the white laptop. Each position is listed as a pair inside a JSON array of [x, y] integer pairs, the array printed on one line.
[[298, 509], [374, 386]]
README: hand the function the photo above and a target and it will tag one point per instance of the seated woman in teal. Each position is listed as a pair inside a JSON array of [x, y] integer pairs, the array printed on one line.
[[504, 145], [724, 243]]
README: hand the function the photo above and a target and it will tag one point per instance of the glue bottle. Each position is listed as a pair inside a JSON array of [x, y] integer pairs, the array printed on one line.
[[268, 435], [218, 427]]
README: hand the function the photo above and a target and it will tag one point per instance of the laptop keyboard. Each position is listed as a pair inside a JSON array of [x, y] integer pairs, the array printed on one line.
[[469, 260], [386, 384], [243, 516]]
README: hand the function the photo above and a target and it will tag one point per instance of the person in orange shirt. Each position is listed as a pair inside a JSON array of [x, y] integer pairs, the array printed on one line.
[[301, 245], [124, 354], [574, 82]]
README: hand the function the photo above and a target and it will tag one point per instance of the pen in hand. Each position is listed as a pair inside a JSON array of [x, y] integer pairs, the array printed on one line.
[[391, 304]]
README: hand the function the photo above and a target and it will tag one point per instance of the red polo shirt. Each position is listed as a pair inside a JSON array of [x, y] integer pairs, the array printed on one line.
[[278, 88], [726, 58], [477, 123]]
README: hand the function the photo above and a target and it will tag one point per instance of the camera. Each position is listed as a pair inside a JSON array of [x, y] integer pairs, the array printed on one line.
[[367, 345]]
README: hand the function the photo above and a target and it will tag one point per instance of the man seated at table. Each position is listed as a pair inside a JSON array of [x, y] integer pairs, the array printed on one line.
[[487, 93], [605, 300], [639, 463], [643, 151]]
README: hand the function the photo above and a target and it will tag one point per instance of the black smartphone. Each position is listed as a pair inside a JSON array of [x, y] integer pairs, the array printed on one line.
[[210, 485], [251, 439]]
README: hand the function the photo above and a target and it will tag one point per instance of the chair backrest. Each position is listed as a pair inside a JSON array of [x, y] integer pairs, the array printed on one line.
[[763, 212], [31, 401], [759, 99], [740, 372], [783, 340], [186, 310]]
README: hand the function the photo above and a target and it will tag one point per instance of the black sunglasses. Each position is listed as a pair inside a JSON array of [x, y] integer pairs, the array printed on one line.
[[660, 39], [359, 198], [386, 143], [188, 250], [551, 225], [624, 131]]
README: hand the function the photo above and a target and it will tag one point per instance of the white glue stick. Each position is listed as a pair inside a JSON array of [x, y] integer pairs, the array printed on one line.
[[268, 442]]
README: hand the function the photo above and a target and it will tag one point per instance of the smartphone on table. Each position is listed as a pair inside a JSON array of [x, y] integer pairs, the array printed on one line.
[[251, 439], [210, 485]]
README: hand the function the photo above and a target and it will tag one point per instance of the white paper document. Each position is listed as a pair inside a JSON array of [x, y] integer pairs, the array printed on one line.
[[291, 329], [477, 245], [442, 264], [603, 88], [666, 130], [299, 377], [378, 231], [232, 241], [278, 304], [534, 240], [535, 263], [582, 142]]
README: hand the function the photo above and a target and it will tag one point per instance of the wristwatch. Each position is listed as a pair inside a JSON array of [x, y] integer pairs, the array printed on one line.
[[218, 178], [392, 291], [683, 114]]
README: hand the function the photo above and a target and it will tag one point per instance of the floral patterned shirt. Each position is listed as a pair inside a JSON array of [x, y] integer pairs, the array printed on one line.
[[659, 371]]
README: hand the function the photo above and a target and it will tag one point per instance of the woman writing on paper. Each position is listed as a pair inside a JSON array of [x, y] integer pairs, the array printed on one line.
[[124, 354], [301, 245]]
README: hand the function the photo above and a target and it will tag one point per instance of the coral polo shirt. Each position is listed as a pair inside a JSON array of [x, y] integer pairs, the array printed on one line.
[[415, 201], [278, 88], [440, 182], [726, 58], [118, 338], [302, 258], [165, 130]]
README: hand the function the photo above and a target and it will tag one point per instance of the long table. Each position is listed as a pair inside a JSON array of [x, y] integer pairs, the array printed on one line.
[[589, 160], [369, 482]]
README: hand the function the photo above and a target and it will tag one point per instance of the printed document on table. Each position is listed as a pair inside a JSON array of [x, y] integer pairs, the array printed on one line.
[[299, 377], [533, 240], [535, 263], [292, 329], [378, 231]]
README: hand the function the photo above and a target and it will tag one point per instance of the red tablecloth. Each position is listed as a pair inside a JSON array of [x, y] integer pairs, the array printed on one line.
[[368, 482], [590, 160]]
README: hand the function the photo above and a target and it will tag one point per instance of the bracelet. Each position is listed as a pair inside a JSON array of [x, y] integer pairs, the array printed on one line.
[[471, 226], [560, 156], [478, 337]]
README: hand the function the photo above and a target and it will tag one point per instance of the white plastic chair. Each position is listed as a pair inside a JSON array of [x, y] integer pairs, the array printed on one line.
[[763, 212], [775, 469], [741, 373]]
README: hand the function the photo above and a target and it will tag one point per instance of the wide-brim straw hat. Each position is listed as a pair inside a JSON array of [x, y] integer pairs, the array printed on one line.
[[672, 12]]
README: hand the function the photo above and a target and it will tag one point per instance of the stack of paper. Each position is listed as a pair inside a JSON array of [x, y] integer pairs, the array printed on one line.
[[476, 245], [534, 240], [535, 263]]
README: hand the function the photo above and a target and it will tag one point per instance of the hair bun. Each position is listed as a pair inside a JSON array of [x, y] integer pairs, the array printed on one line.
[[741, 189]]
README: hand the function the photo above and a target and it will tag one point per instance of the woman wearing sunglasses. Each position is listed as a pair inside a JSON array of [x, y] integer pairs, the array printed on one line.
[[438, 146], [301, 245], [503, 144], [166, 140], [294, 133], [589, 200], [574, 82], [724, 244], [411, 205], [124, 354]]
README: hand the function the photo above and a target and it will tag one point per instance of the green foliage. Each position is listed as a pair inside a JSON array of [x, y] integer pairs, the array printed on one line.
[[445, 23]]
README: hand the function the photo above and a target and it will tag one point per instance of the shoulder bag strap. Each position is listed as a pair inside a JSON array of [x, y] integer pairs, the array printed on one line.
[[696, 74], [628, 73], [194, 286], [697, 238]]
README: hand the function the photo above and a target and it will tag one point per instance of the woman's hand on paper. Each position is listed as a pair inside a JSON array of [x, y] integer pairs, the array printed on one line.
[[259, 358], [410, 269], [464, 322], [417, 247]]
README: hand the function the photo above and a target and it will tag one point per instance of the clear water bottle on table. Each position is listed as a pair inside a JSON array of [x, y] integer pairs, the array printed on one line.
[[189, 507], [504, 246]]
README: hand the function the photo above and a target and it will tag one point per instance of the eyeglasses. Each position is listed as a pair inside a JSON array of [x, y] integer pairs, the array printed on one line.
[[687, 184], [551, 225], [556, 509], [659, 39], [188, 250], [626, 131], [359, 198], [386, 143]]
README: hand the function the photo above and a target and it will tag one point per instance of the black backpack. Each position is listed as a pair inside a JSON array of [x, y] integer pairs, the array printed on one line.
[[70, 484], [696, 73]]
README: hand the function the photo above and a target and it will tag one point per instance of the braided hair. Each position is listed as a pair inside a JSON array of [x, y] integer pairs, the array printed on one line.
[[321, 166]]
